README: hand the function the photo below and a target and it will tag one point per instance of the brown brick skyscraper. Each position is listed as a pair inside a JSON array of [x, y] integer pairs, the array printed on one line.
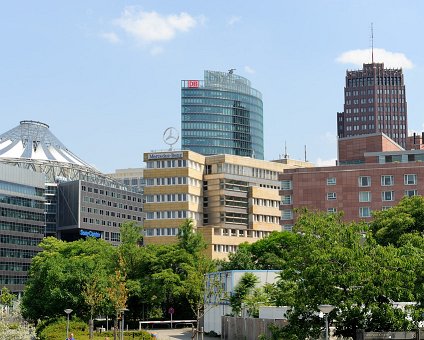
[[375, 101]]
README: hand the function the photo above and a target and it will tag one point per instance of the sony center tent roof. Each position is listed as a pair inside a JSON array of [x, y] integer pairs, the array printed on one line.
[[32, 140]]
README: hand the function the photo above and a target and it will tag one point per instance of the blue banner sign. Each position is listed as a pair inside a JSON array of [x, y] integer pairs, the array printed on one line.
[[89, 233]]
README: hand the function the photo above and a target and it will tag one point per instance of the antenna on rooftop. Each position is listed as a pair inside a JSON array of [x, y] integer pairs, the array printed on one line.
[[305, 154], [372, 43], [286, 156]]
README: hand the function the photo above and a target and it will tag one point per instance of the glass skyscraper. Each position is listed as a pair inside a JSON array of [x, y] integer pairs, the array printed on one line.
[[222, 114]]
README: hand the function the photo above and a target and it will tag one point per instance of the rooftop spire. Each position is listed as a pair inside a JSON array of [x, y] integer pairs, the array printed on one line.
[[372, 43]]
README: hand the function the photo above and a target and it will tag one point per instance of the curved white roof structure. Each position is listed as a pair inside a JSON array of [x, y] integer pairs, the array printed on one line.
[[33, 140], [31, 145]]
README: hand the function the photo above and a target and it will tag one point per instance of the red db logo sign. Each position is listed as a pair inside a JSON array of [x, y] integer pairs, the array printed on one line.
[[193, 83]]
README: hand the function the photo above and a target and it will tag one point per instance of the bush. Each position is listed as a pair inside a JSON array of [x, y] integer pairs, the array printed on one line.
[[56, 328], [212, 334], [15, 331]]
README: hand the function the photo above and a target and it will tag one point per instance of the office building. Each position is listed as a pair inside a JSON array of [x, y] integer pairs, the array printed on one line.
[[94, 210], [231, 199], [375, 175], [222, 114], [131, 177], [46, 190], [31, 145], [374, 101], [22, 223]]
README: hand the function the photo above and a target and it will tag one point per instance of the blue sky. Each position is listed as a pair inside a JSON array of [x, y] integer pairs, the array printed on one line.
[[105, 75]]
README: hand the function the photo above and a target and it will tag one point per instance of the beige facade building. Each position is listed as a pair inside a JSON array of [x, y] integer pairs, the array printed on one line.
[[231, 199], [131, 177]]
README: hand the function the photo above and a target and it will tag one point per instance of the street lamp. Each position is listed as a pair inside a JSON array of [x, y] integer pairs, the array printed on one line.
[[123, 310], [326, 309], [67, 311]]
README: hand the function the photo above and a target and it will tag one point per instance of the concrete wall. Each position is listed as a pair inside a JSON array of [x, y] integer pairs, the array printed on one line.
[[247, 328]]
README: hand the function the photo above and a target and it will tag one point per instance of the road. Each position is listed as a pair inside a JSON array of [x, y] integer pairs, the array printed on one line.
[[177, 334]]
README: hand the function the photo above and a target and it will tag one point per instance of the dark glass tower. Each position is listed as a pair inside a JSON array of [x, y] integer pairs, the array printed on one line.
[[374, 102], [222, 114]]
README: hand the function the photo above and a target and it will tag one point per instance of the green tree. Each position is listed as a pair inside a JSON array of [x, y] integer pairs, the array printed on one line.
[[131, 253], [196, 290], [117, 293], [340, 264], [6, 297], [189, 239], [241, 259], [241, 292], [407, 217], [60, 272], [260, 296], [94, 294], [269, 253]]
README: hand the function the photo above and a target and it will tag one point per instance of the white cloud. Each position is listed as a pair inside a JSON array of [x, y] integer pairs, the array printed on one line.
[[111, 37], [390, 59], [248, 69], [152, 26], [325, 162], [233, 20]]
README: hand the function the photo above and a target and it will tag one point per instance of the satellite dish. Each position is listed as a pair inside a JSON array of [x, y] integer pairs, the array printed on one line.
[[171, 136]]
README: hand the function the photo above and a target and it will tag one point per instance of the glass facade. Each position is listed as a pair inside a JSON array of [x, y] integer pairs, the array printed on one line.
[[22, 227], [222, 114]]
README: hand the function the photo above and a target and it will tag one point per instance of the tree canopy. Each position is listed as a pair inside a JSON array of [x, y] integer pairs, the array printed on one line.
[[92, 277], [407, 217], [327, 261], [360, 269]]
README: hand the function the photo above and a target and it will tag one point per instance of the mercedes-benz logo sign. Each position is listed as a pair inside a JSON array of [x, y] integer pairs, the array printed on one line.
[[171, 136]]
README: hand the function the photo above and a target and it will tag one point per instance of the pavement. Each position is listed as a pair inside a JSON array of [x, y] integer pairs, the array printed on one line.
[[177, 334]]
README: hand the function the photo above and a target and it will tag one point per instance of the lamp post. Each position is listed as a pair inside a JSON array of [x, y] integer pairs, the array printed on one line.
[[123, 310], [67, 311], [326, 309]]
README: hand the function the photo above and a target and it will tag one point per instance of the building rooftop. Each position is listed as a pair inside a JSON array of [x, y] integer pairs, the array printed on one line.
[[33, 140]]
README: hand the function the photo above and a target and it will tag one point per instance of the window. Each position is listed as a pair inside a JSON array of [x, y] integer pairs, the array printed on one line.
[[287, 214], [364, 196], [388, 196], [410, 179], [364, 181], [410, 193], [286, 199], [332, 210], [288, 227], [387, 180], [331, 181], [364, 212], [286, 184], [331, 196]]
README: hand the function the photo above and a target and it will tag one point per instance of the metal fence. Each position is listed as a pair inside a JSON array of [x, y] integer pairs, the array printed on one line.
[[362, 335]]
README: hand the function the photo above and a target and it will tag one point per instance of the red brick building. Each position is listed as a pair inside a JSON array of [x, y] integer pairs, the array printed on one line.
[[376, 173]]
